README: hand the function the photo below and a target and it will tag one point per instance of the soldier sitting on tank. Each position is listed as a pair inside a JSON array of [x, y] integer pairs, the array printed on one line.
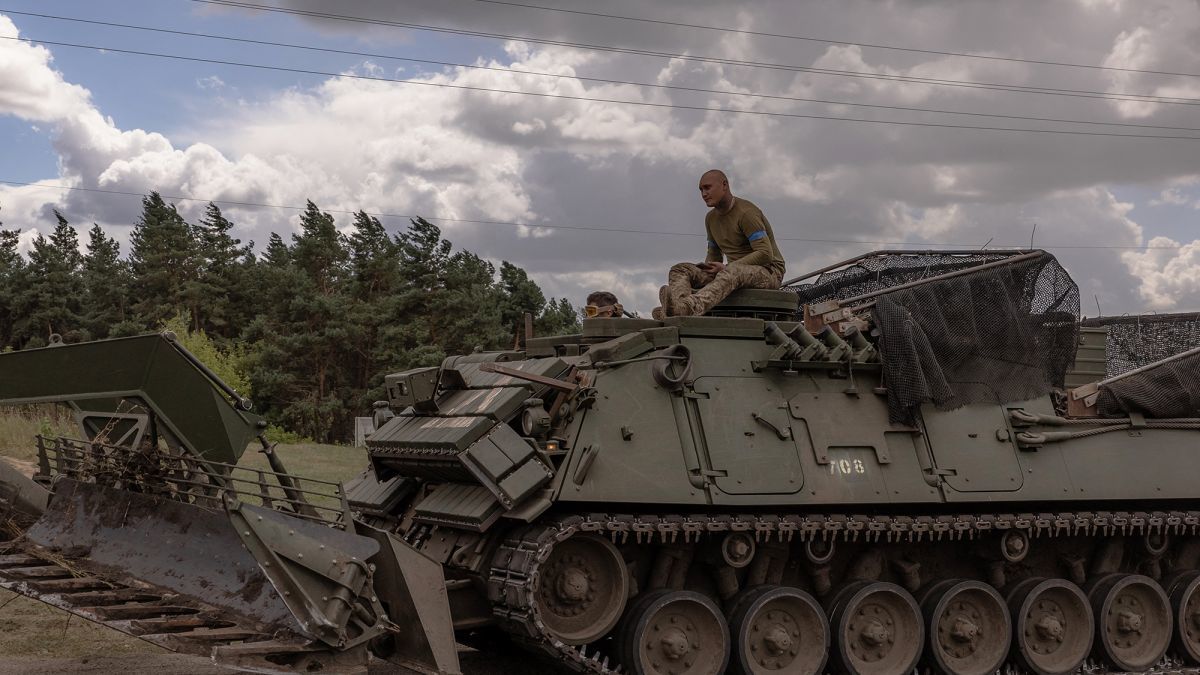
[[602, 305], [739, 235]]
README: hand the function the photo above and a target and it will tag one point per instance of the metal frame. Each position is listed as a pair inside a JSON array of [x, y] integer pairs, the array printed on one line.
[[906, 252]]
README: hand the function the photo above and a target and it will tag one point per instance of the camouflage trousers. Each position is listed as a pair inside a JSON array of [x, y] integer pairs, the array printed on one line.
[[709, 288]]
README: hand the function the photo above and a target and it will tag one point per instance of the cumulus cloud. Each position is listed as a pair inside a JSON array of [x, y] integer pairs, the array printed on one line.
[[32, 89], [441, 147], [1165, 37], [1169, 273]]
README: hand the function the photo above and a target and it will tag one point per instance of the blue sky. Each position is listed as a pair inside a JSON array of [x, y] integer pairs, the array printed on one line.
[[171, 96]]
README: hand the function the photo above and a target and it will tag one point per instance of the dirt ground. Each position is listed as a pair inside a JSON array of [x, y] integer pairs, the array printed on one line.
[[36, 639], [42, 642], [473, 663]]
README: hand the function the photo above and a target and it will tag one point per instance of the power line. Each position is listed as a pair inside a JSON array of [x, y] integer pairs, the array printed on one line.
[[570, 97], [725, 92], [537, 226], [1015, 88], [829, 41]]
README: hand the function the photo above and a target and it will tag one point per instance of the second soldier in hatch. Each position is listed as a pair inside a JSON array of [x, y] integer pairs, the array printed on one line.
[[741, 254]]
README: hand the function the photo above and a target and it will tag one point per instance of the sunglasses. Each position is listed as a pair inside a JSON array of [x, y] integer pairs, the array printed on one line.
[[592, 311]]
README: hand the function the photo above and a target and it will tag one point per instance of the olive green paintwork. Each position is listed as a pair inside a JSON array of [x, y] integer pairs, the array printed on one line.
[[819, 435], [742, 430], [150, 369]]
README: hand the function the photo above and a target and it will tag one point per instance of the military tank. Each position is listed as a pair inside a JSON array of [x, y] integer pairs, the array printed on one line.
[[903, 462]]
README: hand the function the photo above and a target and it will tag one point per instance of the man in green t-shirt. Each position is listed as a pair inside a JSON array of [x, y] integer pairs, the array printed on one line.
[[741, 254]]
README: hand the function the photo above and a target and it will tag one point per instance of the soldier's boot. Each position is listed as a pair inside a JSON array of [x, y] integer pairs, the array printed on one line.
[[681, 280], [658, 314], [664, 301]]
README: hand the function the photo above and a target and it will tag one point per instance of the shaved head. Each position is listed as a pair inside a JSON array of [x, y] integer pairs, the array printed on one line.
[[714, 189]]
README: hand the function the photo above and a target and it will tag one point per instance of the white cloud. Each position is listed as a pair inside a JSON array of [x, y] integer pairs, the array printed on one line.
[[31, 89], [1164, 40], [1169, 272], [210, 82]]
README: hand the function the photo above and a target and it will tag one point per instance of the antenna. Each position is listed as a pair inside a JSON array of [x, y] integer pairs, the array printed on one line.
[[985, 244], [1031, 235], [1098, 312]]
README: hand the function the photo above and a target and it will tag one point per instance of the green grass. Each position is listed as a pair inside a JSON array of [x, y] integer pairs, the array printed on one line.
[[20, 424], [31, 628], [312, 460], [332, 463]]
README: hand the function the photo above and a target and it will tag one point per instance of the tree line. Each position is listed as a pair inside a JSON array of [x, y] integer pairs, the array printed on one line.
[[310, 325]]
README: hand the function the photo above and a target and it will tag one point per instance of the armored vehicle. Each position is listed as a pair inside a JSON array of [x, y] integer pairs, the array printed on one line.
[[903, 462]]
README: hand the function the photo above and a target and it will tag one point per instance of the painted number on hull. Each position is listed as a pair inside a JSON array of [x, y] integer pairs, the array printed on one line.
[[848, 468]]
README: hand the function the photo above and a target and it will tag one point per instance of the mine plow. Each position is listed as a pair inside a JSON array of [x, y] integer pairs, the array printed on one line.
[[142, 527]]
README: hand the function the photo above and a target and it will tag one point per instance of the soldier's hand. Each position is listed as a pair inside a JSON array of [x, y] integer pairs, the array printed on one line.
[[713, 267]]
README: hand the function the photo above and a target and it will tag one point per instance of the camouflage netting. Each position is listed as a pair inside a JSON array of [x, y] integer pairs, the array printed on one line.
[[994, 336], [1136, 341], [880, 272], [1171, 389]]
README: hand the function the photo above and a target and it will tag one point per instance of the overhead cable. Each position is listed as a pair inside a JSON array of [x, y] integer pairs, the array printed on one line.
[[571, 97], [910, 79], [581, 78], [831, 41], [548, 226]]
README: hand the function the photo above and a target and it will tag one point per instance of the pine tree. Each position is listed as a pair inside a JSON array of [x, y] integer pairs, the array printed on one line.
[[12, 277], [163, 262], [519, 295], [559, 317], [50, 302], [298, 366], [374, 279], [105, 280], [215, 295], [449, 304]]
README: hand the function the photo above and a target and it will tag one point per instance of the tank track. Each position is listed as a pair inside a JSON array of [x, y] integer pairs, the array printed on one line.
[[514, 574]]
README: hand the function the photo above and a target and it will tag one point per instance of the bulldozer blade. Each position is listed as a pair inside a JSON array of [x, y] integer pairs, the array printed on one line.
[[138, 538], [321, 573], [348, 589], [413, 590]]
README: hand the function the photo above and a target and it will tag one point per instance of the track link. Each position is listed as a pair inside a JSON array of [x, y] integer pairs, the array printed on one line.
[[513, 577]]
